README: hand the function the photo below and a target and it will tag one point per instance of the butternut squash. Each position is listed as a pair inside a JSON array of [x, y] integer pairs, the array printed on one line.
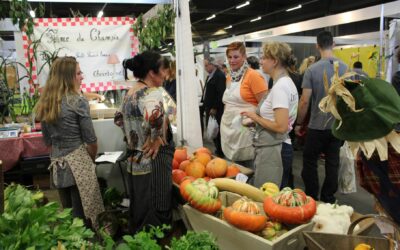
[[226, 184]]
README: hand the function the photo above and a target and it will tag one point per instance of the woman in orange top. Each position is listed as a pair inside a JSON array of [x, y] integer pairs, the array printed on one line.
[[244, 89]]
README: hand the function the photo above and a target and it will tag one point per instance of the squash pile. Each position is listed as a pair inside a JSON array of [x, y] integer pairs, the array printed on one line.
[[290, 206], [199, 165], [201, 194], [245, 214]]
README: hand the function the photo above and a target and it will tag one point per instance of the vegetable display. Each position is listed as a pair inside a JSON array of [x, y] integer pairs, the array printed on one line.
[[290, 206], [245, 214], [225, 184], [201, 195], [269, 189]]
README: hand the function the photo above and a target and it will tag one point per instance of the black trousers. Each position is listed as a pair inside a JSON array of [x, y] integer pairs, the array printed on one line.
[[151, 194], [70, 198], [317, 142]]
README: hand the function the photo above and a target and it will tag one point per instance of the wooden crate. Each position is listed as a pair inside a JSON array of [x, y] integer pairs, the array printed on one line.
[[232, 238]]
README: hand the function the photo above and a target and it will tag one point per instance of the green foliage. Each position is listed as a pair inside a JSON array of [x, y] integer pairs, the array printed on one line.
[[194, 240], [156, 30], [27, 224], [6, 93], [112, 197], [19, 13]]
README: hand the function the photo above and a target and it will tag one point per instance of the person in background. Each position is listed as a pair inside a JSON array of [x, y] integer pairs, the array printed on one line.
[[148, 135], [244, 89], [170, 81], [319, 135], [254, 63], [396, 76], [212, 98], [224, 69], [67, 127], [357, 67], [275, 115]]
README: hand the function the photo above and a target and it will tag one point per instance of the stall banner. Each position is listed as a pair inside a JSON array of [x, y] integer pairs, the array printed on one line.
[[91, 40]]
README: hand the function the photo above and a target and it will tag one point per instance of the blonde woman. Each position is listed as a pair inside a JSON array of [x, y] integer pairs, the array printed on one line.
[[306, 63], [67, 127], [275, 114]]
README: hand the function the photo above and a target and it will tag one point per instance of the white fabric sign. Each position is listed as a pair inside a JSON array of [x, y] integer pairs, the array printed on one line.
[[91, 41]]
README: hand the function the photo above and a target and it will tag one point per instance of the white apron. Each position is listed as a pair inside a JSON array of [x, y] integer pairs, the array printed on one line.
[[236, 140]]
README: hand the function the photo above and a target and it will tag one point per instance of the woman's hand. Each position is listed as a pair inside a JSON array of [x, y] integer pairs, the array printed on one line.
[[249, 114], [150, 148]]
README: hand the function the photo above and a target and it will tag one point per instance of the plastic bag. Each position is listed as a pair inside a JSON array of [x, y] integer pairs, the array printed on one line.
[[347, 174], [212, 128]]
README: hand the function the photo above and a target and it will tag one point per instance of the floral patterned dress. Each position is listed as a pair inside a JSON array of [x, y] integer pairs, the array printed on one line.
[[148, 113]]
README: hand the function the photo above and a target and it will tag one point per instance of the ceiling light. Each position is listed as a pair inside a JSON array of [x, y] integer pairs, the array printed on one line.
[[210, 17], [294, 8], [100, 14], [255, 19], [32, 13], [228, 27], [242, 5]]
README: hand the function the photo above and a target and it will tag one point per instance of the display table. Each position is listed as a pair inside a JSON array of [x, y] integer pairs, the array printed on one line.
[[14, 149]]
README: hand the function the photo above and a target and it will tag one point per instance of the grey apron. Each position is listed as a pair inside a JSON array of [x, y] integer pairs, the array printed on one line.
[[268, 161]]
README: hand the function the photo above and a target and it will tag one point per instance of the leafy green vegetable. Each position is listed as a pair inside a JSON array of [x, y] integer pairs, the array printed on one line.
[[194, 240], [26, 224]]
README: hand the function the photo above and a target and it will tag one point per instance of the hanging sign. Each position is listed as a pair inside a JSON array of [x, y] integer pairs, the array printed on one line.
[[91, 41]]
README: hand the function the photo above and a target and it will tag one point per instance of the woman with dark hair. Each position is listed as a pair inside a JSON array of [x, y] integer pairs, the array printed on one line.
[[67, 127], [145, 122]]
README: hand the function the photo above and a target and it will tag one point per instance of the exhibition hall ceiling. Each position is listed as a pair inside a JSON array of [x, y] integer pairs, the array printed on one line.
[[215, 19]]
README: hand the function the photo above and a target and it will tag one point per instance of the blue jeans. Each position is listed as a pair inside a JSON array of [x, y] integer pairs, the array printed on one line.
[[287, 161]]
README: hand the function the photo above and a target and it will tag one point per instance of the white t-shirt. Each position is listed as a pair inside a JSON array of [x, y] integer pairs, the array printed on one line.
[[282, 95]]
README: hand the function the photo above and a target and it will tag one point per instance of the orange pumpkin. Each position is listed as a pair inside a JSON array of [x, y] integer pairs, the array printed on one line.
[[203, 158], [290, 206], [203, 150], [184, 164], [180, 154], [175, 164], [216, 168], [201, 195], [232, 171], [195, 169], [178, 175], [245, 214]]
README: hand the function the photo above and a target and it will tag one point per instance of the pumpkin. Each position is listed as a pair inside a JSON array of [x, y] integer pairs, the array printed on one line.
[[269, 189], [203, 150], [195, 169], [178, 175], [245, 214], [232, 171], [184, 164], [201, 195], [216, 168], [203, 158], [180, 154], [290, 206], [175, 164]]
